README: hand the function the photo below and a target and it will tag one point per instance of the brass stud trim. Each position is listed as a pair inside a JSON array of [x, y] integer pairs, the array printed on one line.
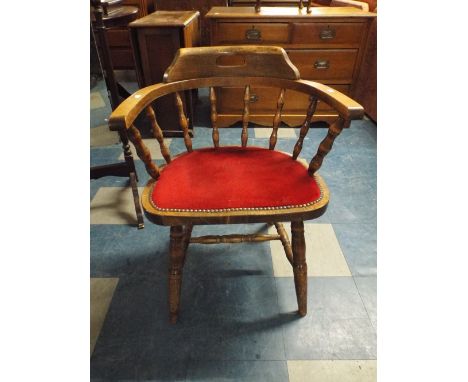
[[272, 208]]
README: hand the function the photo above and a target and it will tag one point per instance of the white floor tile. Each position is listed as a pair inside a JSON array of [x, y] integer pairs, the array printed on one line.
[[96, 101], [153, 146], [102, 290], [323, 253], [113, 205], [265, 132], [333, 371]]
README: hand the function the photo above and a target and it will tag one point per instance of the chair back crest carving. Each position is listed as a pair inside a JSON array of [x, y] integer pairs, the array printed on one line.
[[231, 61]]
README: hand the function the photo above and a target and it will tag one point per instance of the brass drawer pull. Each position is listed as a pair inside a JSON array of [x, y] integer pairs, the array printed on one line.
[[253, 34], [327, 34], [321, 64], [253, 98]]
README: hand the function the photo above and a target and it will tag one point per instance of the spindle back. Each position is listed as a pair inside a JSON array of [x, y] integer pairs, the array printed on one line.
[[246, 66]]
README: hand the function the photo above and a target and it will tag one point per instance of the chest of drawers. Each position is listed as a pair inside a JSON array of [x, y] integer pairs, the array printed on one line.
[[326, 45]]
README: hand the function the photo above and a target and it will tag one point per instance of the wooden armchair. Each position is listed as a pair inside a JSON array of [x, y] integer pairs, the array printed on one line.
[[233, 184]]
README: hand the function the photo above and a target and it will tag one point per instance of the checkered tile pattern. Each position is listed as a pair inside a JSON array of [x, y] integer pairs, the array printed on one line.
[[238, 318]]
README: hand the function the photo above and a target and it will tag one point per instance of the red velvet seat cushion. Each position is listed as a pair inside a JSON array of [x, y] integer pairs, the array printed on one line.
[[234, 178]]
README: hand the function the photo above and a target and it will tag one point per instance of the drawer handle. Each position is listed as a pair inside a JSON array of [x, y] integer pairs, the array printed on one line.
[[253, 98], [327, 34], [321, 64], [253, 34]]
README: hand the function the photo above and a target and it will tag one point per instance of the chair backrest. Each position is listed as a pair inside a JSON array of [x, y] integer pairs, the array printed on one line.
[[245, 66]]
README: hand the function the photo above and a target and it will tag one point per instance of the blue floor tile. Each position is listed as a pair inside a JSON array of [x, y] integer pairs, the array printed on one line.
[[359, 245], [353, 200]]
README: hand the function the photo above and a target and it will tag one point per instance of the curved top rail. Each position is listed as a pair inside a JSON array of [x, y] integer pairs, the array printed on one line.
[[126, 113], [231, 61]]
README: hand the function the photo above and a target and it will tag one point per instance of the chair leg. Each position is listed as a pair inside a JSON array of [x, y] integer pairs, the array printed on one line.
[[176, 263], [299, 265], [136, 200]]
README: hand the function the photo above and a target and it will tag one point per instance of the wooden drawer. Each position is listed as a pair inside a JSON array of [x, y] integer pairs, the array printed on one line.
[[327, 34], [251, 33], [263, 100], [325, 64], [298, 102]]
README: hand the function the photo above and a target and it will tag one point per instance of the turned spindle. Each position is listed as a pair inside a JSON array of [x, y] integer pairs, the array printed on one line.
[[183, 122], [214, 117], [301, 5], [158, 134], [277, 119], [309, 6], [245, 116], [143, 152], [305, 127], [325, 146]]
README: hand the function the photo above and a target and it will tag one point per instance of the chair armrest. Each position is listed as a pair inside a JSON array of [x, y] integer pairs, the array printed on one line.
[[348, 108]]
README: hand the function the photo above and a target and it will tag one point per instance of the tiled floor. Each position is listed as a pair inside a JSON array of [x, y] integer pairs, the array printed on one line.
[[238, 320]]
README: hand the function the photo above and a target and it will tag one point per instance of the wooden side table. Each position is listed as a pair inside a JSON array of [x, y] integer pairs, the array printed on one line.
[[155, 41]]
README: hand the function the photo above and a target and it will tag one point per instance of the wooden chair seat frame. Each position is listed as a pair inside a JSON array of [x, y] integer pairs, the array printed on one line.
[[182, 222]]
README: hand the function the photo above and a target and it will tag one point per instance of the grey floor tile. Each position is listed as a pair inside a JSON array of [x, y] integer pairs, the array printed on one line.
[[359, 245], [238, 371], [336, 326], [367, 287]]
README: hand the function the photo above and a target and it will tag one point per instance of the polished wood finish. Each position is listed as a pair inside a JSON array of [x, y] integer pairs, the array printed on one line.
[[231, 61], [234, 238], [317, 3], [299, 265], [143, 152], [101, 19], [366, 90], [325, 45], [120, 15], [182, 221], [305, 127], [214, 117], [158, 134], [203, 6], [177, 253], [155, 40], [326, 145], [245, 116], [277, 119], [285, 241], [183, 121]]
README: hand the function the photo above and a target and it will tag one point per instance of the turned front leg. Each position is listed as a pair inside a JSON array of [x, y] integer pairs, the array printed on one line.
[[299, 265], [176, 263]]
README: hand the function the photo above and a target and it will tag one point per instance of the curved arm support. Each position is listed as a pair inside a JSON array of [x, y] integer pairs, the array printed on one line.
[[126, 113]]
